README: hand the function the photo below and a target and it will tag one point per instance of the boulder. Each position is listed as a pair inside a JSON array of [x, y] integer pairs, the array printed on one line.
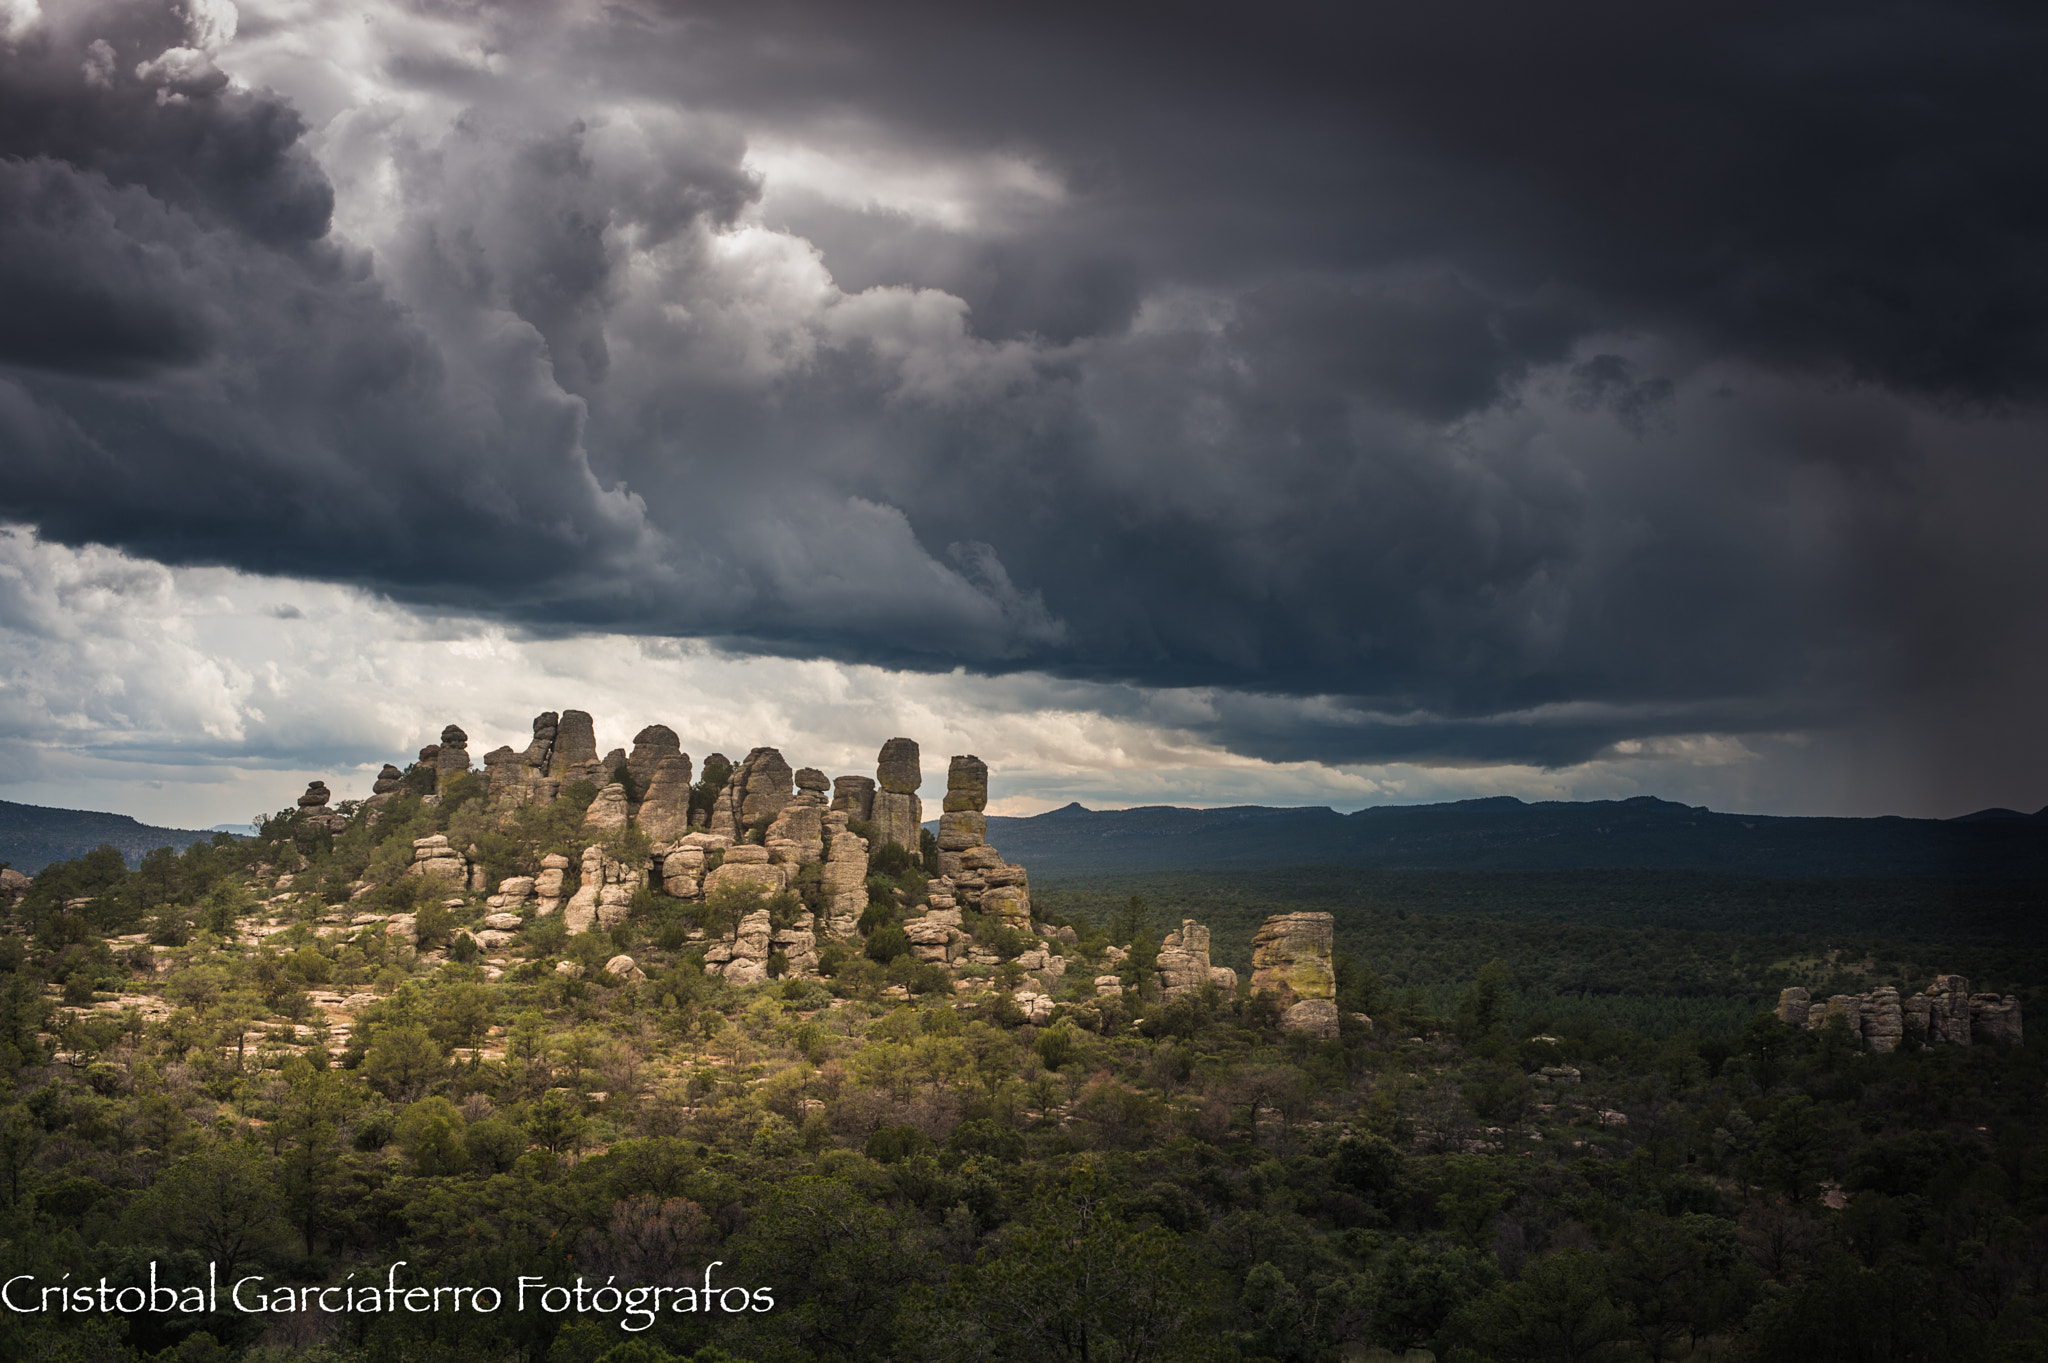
[[1293, 958], [757, 875], [1108, 986], [503, 922], [966, 785], [1222, 976], [13, 884], [1317, 1017], [896, 767], [1183, 960], [811, 779], [854, 796], [1011, 903], [608, 811], [931, 938], [623, 967], [665, 801], [316, 796], [388, 780], [650, 746]]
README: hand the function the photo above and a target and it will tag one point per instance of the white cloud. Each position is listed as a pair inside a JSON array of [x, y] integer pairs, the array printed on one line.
[[194, 696]]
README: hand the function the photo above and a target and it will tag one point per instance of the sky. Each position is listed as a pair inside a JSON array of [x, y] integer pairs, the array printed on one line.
[[1197, 404]]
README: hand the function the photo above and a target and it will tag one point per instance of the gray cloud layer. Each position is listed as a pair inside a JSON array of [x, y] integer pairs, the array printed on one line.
[[1521, 380]]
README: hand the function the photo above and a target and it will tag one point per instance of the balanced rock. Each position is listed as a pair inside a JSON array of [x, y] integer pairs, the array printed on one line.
[[549, 885], [811, 779], [665, 799], [623, 967], [388, 780], [452, 757], [966, 785], [854, 796], [896, 767], [316, 796]]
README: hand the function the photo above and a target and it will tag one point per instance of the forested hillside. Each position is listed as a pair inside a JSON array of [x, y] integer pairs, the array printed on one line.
[[1506, 834], [1535, 1134]]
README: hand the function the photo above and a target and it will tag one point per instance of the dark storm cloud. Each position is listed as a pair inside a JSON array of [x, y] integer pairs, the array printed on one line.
[[1522, 379]]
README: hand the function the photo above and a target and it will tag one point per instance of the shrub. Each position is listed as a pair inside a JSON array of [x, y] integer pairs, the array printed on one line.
[[887, 943]]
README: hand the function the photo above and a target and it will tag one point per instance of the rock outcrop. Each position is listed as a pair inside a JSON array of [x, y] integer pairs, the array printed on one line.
[[765, 784], [854, 796], [747, 865], [845, 876], [899, 814], [432, 856], [606, 890], [574, 756], [1293, 958], [313, 810], [452, 757], [665, 800], [14, 885], [608, 811], [551, 885], [651, 746], [1945, 1013], [1183, 962]]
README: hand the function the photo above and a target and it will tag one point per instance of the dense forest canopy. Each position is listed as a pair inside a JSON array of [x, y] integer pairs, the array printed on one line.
[[1539, 1133]]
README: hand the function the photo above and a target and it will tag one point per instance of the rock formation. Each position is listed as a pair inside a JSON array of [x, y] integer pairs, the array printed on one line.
[[845, 876], [574, 756], [650, 746], [1183, 962], [452, 756], [899, 814], [664, 814], [551, 884], [607, 886], [432, 856], [747, 865], [798, 834], [1945, 1013], [608, 811], [313, 810], [389, 780], [1293, 958], [854, 796], [14, 885], [765, 785]]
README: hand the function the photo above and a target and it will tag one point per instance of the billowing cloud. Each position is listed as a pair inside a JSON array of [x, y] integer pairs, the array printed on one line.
[[1457, 388]]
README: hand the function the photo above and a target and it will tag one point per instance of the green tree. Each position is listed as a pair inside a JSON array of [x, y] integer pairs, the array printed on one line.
[[221, 1200]]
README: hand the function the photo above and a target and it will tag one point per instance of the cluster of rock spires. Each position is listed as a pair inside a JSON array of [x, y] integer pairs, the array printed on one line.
[[766, 826], [1945, 1013]]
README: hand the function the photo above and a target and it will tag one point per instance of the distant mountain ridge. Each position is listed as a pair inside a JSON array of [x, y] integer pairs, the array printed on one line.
[[31, 836], [1506, 834]]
